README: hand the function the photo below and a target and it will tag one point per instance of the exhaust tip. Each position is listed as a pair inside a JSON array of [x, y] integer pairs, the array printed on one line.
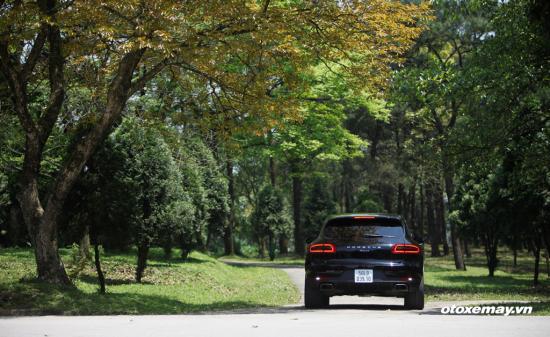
[[401, 286], [326, 286]]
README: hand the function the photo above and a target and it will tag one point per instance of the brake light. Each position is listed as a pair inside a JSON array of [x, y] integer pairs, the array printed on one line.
[[322, 248], [364, 217], [405, 249]]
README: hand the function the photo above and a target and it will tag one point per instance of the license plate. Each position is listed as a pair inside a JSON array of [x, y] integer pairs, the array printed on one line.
[[363, 275]]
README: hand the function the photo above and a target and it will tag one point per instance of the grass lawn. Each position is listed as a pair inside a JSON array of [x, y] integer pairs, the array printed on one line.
[[169, 286], [444, 282], [290, 260]]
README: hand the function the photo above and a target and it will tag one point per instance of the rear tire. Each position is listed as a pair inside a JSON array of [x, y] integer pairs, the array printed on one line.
[[415, 300], [313, 297]]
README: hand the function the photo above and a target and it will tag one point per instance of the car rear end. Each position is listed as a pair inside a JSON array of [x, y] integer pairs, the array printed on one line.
[[364, 255]]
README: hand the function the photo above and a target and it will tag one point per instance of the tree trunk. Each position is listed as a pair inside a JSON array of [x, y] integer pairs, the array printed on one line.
[[400, 197], [283, 244], [491, 246], [299, 244], [422, 211], [229, 246], [467, 248], [412, 206], [100, 276], [84, 246], [433, 232], [376, 139], [143, 253], [272, 171], [16, 225], [167, 249], [440, 218], [455, 238], [536, 253], [347, 186], [261, 247], [271, 246]]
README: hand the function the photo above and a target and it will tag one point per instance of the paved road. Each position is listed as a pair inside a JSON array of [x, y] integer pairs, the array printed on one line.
[[349, 316]]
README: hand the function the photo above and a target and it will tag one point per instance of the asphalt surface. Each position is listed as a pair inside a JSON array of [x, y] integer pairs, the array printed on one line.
[[347, 316]]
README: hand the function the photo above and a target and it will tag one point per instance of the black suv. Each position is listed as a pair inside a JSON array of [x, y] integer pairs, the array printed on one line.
[[364, 254]]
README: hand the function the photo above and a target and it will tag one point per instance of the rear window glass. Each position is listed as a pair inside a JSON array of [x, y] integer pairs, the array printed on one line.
[[350, 229]]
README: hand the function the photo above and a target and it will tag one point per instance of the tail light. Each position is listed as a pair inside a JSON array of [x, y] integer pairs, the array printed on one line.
[[405, 248], [322, 248]]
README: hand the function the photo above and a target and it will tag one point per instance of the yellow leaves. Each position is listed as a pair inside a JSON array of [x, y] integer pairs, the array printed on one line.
[[233, 53]]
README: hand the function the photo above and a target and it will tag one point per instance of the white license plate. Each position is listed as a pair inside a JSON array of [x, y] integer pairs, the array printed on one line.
[[363, 275]]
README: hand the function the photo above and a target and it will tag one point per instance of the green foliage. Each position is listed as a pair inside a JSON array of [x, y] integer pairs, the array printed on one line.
[[318, 206], [270, 217]]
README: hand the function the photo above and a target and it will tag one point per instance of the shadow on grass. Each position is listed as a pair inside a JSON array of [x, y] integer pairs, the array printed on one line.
[[438, 269], [464, 284], [245, 264], [109, 281], [35, 298]]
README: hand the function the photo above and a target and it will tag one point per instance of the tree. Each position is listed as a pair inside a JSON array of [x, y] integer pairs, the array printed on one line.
[[148, 167], [114, 49], [318, 206], [270, 218]]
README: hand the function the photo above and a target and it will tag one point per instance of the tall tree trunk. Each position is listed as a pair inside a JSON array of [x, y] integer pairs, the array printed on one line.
[[421, 219], [432, 228], [412, 205], [491, 245], [440, 217], [283, 244], [100, 276], [299, 244], [261, 247], [283, 240], [400, 197], [536, 253], [347, 186], [455, 238], [467, 250], [84, 246], [376, 139], [272, 171], [271, 246], [16, 225], [143, 253], [229, 246]]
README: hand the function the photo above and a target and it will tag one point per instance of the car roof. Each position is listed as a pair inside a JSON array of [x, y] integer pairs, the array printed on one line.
[[378, 215]]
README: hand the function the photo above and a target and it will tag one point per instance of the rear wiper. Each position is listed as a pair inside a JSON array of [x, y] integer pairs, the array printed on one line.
[[378, 236]]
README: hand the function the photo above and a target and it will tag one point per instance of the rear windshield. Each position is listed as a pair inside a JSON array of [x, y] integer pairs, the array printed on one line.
[[350, 229]]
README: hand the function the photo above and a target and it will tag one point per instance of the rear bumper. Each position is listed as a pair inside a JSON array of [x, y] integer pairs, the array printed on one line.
[[387, 281]]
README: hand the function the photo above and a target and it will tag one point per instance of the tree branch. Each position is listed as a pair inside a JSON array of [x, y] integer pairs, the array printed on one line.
[[265, 6], [149, 75], [57, 84], [34, 54], [18, 88]]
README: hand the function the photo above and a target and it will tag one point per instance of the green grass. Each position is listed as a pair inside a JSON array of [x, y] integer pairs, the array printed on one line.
[[444, 282], [290, 260], [169, 286]]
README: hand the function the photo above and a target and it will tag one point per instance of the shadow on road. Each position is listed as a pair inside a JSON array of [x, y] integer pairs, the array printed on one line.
[[297, 308], [261, 264]]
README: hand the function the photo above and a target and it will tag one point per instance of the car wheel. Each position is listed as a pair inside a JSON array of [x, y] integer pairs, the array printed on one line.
[[415, 300], [313, 297]]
